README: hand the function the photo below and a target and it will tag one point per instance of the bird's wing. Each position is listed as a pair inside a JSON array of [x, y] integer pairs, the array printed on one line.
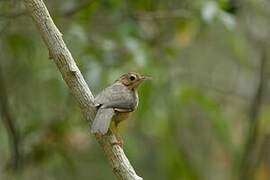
[[102, 120], [120, 105], [117, 96]]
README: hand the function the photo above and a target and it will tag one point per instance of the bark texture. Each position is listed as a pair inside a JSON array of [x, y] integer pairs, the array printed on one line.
[[77, 85]]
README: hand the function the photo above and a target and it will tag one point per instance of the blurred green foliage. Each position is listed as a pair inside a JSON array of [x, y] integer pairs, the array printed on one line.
[[204, 57]]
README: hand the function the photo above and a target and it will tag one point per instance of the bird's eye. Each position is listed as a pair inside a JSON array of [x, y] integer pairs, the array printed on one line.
[[132, 78]]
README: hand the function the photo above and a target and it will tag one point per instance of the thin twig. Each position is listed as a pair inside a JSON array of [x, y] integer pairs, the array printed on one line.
[[249, 157], [177, 13], [72, 11], [9, 123]]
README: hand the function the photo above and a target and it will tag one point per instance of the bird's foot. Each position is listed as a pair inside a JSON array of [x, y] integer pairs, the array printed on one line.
[[119, 141]]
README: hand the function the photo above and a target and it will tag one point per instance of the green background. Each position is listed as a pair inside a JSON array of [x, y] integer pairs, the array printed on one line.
[[204, 116]]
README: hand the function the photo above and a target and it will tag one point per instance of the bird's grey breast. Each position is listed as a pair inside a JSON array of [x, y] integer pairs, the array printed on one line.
[[117, 96]]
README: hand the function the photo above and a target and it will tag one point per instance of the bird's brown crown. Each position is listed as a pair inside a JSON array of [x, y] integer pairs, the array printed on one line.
[[132, 80]]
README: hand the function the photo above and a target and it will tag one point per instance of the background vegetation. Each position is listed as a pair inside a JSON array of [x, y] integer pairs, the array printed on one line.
[[205, 115]]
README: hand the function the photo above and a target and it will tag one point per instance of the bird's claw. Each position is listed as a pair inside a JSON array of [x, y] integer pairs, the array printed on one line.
[[118, 142]]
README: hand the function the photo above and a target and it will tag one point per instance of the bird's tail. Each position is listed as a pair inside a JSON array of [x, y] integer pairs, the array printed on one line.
[[102, 120]]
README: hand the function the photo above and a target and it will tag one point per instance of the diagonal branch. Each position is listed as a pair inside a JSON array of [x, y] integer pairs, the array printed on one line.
[[77, 85]]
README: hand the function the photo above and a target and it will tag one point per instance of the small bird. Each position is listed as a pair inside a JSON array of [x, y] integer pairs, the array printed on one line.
[[116, 102]]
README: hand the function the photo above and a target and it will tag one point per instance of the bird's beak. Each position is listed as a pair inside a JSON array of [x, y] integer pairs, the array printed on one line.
[[146, 78]]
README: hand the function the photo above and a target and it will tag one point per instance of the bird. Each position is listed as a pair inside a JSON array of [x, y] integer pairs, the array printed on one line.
[[116, 102]]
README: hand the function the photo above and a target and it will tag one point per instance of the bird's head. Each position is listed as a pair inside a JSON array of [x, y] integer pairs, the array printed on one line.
[[132, 79]]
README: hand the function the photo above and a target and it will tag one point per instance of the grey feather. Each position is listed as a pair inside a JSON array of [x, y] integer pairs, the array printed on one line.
[[121, 104], [117, 96], [102, 120]]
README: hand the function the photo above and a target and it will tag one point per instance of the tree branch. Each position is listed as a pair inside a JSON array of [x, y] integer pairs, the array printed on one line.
[[250, 156], [9, 123], [77, 85]]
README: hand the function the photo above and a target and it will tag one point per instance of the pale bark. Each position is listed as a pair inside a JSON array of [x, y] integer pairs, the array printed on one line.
[[77, 85]]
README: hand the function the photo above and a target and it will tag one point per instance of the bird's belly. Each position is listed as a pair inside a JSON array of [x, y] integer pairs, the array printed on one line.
[[121, 116]]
